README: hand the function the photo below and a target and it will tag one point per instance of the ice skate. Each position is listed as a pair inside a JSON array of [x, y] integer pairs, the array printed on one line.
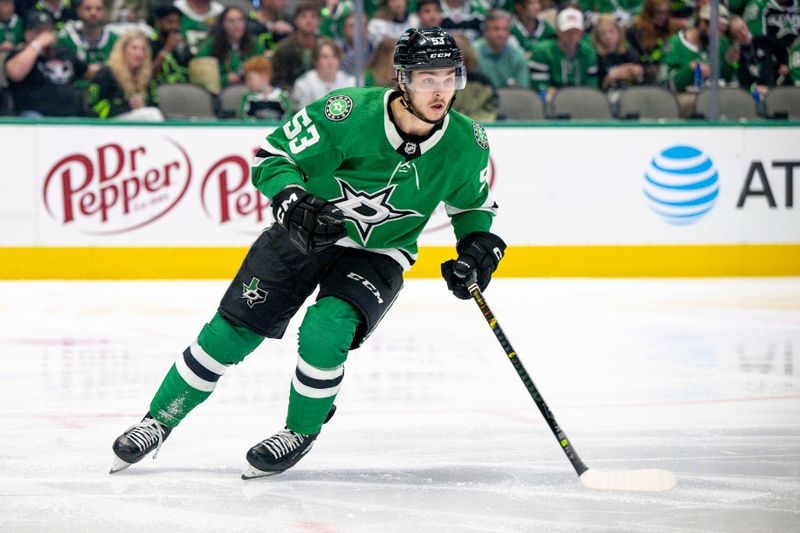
[[137, 441], [279, 452]]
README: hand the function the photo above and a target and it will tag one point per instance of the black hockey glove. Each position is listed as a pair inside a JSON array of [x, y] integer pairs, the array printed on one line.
[[479, 252], [313, 224]]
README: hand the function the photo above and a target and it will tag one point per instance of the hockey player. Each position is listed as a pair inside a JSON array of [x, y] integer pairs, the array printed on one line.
[[353, 178]]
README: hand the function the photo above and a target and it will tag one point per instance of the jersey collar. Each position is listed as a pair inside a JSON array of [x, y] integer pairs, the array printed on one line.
[[396, 139]]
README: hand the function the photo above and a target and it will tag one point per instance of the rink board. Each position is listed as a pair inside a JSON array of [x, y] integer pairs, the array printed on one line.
[[87, 201]]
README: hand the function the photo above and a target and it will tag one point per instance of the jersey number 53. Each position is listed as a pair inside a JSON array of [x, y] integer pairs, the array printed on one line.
[[300, 123]]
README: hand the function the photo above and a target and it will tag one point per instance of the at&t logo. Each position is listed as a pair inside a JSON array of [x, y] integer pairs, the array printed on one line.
[[681, 184]]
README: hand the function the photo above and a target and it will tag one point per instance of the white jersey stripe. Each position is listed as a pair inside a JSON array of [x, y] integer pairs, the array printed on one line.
[[194, 381], [206, 360], [310, 392]]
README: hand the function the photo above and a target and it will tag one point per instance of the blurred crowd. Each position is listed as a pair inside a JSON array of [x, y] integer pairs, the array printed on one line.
[[108, 58]]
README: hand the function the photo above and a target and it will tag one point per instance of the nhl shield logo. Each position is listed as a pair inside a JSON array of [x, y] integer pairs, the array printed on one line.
[[338, 107], [480, 136]]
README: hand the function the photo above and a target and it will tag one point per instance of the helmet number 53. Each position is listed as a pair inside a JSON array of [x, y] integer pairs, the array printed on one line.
[[295, 127]]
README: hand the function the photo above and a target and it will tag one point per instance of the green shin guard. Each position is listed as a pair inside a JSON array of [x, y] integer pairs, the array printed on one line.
[[324, 342], [195, 373]]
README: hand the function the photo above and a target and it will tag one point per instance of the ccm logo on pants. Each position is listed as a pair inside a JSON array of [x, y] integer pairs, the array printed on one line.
[[366, 283]]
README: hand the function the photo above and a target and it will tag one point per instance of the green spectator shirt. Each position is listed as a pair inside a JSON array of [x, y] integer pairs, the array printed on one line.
[[526, 39], [768, 17], [12, 31], [794, 62], [551, 68], [509, 69], [345, 148], [106, 99], [610, 6], [195, 26], [233, 61], [679, 55], [91, 53], [273, 107]]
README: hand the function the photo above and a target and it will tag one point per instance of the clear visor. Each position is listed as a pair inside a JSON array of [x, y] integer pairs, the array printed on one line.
[[436, 80]]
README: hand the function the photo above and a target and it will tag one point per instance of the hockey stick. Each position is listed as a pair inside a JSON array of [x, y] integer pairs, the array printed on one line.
[[652, 480]]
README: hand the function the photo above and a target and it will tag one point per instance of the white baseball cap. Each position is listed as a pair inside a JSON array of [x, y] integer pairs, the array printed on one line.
[[570, 19]]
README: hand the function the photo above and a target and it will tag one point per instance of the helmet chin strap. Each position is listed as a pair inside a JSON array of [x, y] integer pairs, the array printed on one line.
[[408, 105]]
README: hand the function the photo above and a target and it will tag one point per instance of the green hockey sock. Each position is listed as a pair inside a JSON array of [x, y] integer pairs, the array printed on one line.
[[196, 372], [325, 336]]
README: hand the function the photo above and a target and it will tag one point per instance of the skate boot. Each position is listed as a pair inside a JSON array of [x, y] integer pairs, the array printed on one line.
[[279, 452], [137, 441]]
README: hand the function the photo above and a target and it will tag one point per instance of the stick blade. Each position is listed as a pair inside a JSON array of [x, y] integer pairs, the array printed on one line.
[[653, 480]]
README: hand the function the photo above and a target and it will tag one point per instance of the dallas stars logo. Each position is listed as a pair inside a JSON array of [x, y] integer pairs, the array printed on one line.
[[253, 294], [480, 135], [338, 107], [367, 211]]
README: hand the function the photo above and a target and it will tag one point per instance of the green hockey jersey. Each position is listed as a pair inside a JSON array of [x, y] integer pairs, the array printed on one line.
[[768, 17], [12, 31], [346, 149], [526, 39], [549, 66], [679, 55], [794, 62], [195, 26], [98, 52]]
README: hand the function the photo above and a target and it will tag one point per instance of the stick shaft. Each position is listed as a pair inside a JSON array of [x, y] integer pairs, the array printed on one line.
[[561, 437]]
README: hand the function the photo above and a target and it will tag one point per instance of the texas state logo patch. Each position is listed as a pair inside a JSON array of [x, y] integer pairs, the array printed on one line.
[[338, 107], [480, 136]]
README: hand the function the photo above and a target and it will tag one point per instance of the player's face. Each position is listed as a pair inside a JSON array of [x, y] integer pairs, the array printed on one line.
[[431, 92]]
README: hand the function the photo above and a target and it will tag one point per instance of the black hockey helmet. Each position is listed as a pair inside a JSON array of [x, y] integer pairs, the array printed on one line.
[[431, 48]]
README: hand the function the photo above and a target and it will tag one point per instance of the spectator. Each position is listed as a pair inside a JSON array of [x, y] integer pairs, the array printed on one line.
[[231, 45], [89, 37], [333, 16], [478, 100], [197, 17], [262, 101], [618, 65], [619, 9], [324, 77], [463, 16], [688, 49], [59, 10], [270, 24], [379, 71], [390, 20], [171, 55], [12, 31], [758, 62], [293, 56], [128, 11], [500, 61], [123, 89], [649, 34], [528, 27], [777, 19], [429, 13], [566, 61], [347, 43], [41, 74], [794, 63]]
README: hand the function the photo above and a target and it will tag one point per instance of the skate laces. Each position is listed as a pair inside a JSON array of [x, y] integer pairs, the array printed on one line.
[[146, 433], [283, 442]]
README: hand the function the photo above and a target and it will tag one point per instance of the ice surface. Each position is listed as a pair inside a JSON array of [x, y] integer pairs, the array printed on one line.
[[434, 431]]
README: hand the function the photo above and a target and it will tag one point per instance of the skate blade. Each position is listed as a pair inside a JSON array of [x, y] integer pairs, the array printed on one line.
[[253, 473], [118, 465]]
